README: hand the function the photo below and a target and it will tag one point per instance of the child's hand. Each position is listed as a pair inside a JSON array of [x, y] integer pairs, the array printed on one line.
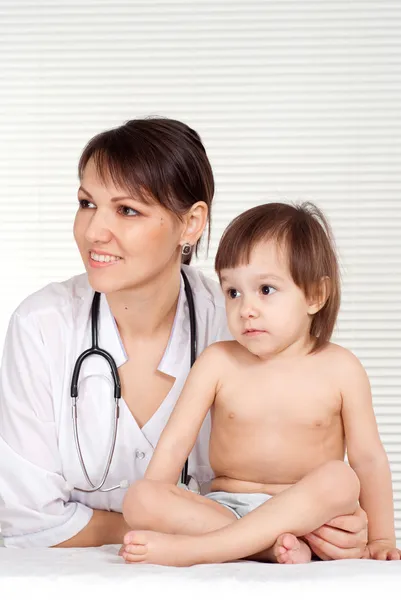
[[383, 550]]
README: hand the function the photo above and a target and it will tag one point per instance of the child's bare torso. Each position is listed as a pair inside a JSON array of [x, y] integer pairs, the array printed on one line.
[[273, 422]]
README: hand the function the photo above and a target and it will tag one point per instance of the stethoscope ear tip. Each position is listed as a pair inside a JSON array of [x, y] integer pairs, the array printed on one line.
[[124, 484]]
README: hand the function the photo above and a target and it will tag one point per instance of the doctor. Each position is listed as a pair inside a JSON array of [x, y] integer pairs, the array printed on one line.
[[144, 200]]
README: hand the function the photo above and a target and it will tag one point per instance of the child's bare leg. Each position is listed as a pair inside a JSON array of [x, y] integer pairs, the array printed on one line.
[[164, 507], [326, 492]]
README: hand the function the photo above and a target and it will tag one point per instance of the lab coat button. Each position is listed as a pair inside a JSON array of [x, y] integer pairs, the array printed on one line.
[[140, 454]]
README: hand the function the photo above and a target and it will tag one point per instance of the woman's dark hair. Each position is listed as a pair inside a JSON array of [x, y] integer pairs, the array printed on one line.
[[158, 159]]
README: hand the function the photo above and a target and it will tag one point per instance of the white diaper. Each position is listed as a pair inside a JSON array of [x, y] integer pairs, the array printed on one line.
[[239, 504]]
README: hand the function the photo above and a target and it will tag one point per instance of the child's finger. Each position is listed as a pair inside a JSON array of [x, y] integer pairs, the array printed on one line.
[[380, 555]]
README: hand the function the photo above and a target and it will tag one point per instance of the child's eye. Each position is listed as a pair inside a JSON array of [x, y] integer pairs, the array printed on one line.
[[233, 293], [267, 290], [128, 211], [85, 204]]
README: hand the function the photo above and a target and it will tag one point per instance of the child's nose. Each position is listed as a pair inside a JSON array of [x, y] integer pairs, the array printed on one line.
[[248, 310]]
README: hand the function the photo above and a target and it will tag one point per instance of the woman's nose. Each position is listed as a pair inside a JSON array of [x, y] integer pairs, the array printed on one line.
[[97, 230]]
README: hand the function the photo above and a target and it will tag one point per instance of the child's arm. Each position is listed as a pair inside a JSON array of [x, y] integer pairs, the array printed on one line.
[[368, 458], [179, 435]]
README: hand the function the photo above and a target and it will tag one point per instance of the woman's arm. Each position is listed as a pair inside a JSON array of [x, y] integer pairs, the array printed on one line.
[[104, 528], [36, 509]]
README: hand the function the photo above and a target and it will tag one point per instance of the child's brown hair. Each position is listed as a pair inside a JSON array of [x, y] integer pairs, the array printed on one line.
[[305, 235]]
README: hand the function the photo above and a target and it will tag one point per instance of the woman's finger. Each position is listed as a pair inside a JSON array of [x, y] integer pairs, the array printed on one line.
[[337, 537], [318, 545], [351, 523]]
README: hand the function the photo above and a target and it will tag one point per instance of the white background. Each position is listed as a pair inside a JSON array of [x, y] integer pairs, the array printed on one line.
[[294, 101]]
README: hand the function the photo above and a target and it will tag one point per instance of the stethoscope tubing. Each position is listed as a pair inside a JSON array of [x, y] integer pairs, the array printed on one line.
[[95, 350]]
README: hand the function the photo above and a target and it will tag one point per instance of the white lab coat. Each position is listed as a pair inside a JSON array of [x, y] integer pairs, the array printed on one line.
[[38, 460]]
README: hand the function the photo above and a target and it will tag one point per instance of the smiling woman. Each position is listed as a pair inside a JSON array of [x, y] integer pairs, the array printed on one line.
[[148, 206], [145, 194], [127, 157], [139, 240]]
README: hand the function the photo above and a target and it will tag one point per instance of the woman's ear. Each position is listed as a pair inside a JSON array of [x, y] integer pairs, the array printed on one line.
[[319, 296], [194, 223]]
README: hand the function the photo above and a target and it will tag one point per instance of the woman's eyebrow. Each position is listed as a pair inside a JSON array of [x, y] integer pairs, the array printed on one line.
[[82, 189], [118, 198], [114, 199]]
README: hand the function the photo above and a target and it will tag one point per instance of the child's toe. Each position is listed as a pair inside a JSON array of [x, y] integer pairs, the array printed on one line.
[[136, 549]]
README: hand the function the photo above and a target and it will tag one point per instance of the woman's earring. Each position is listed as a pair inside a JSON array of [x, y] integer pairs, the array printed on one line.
[[186, 249]]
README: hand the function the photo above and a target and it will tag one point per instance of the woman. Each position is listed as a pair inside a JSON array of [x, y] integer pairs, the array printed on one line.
[[145, 194]]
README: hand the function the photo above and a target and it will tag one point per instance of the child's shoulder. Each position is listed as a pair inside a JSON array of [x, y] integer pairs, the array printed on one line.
[[340, 359], [221, 350]]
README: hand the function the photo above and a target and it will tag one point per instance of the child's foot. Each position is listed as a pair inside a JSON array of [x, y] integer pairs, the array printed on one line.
[[158, 549], [289, 550]]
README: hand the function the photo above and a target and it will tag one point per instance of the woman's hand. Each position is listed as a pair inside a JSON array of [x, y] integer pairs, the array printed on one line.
[[342, 537]]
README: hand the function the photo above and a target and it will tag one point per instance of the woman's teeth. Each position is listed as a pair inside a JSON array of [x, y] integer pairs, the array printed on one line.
[[106, 258]]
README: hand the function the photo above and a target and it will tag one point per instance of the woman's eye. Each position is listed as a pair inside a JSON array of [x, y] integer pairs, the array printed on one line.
[[85, 204], [232, 293], [267, 290], [127, 211]]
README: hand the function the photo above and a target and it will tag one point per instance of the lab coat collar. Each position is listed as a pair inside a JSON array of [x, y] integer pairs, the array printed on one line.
[[109, 336], [176, 355]]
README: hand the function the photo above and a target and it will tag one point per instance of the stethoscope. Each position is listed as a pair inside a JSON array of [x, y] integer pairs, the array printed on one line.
[[95, 350]]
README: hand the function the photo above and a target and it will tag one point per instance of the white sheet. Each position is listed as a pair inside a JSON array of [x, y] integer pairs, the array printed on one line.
[[100, 573]]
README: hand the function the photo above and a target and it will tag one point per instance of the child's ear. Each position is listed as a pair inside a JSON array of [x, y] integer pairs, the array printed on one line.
[[319, 295]]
